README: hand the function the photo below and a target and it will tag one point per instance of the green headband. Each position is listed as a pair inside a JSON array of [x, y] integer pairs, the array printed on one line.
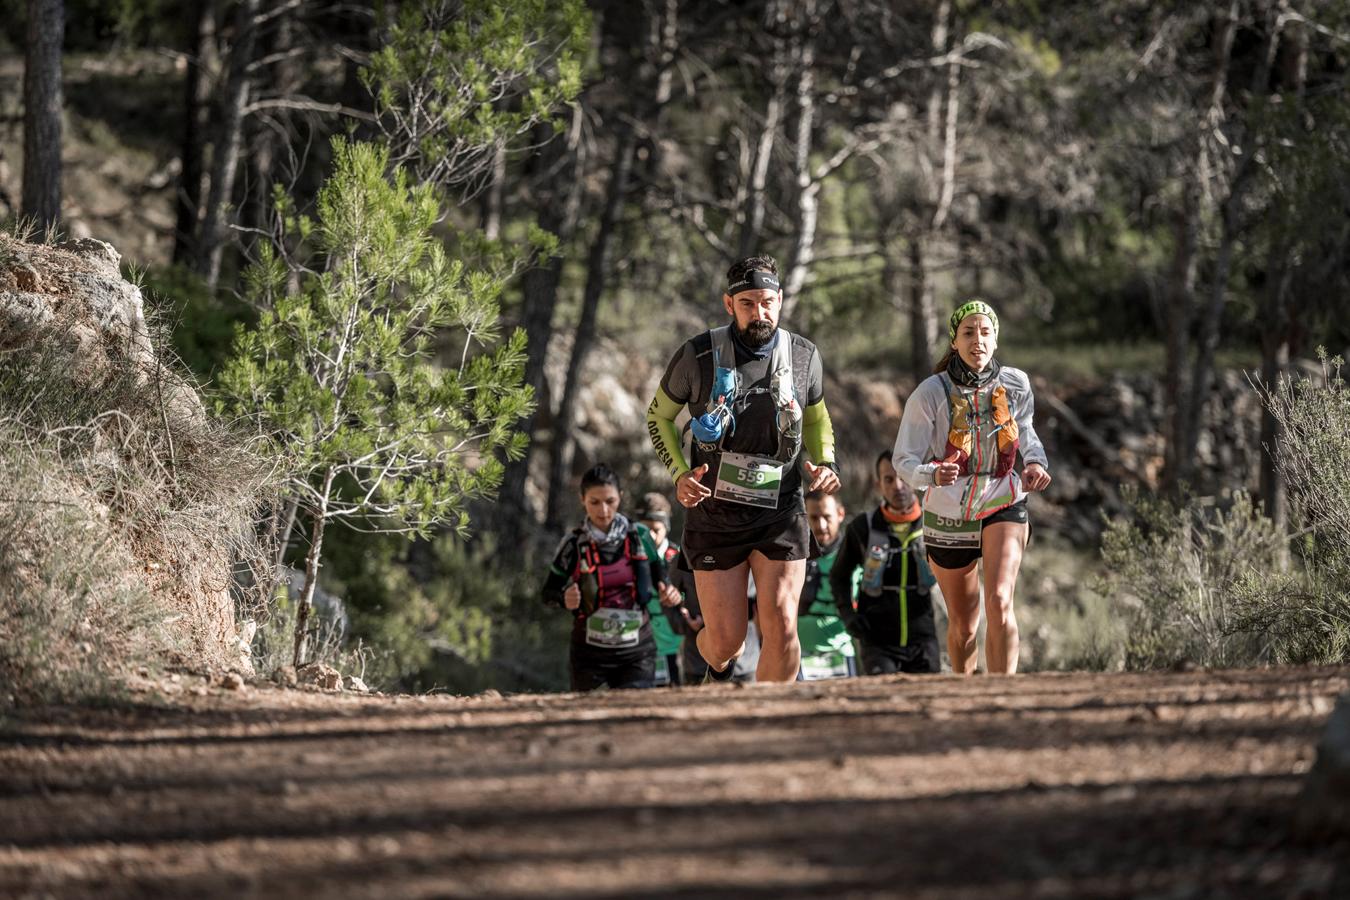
[[974, 307]]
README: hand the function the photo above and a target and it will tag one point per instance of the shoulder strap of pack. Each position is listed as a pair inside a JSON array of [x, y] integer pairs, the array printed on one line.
[[723, 356], [696, 382], [879, 535], [585, 551], [946, 382], [632, 545], [781, 364], [875, 536]]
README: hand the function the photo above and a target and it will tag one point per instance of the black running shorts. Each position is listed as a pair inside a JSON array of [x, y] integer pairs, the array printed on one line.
[[948, 558], [786, 539]]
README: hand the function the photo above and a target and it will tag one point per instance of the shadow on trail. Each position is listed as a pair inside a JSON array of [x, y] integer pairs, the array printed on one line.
[[364, 718], [1155, 830], [421, 758]]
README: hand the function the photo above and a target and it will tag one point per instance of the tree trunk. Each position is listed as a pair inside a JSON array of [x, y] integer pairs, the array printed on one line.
[[1180, 290], [285, 524], [759, 177], [1277, 313], [225, 153], [657, 74], [267, 143], [1202, 371], [312, 562], [1182, 287], [513, 513], [560, 200], [947, 183], [493, 198], [808, 190], [188, 202], [921, 319], [1274, 364], [597, 270], [41, 199], [1194, 397]]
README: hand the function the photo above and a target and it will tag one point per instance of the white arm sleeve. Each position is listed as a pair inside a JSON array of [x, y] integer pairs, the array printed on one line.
[[1024, 410], [925, 415]]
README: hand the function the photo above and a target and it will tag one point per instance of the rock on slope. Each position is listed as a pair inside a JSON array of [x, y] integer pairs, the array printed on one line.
[[124, 440]]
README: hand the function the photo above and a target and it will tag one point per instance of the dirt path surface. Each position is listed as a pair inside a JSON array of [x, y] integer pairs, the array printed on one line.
[[1175, 785]]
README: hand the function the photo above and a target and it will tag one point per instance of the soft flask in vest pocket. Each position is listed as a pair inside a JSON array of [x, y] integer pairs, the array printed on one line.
[[715, 425], [710, 428], [874, 569], [589, 585], [789, 412]]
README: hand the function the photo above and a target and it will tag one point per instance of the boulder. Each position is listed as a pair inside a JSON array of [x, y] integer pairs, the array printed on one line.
[[320, 675]]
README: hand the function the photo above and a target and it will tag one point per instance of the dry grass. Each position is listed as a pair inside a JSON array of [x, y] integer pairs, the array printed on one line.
[[127, 509]]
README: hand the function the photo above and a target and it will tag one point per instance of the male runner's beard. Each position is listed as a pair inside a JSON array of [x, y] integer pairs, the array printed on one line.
[[756, 334]]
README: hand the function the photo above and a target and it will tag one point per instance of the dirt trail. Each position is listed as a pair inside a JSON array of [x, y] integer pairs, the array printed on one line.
[[1172, 785]]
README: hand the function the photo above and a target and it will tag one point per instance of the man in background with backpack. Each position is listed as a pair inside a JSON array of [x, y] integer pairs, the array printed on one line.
[[891, 612]]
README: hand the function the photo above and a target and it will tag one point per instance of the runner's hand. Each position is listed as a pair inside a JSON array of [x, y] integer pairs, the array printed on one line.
[[572, 596], [1035, 477], [947, 471], [823, 478], [689, 489], [694, 622], [667, 594]]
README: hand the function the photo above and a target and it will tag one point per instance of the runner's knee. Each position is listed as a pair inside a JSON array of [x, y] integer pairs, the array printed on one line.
[[778, 634], [722, 643], [999, 604]]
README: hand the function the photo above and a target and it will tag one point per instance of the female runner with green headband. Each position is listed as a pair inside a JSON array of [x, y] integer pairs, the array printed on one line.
[[962, 435]]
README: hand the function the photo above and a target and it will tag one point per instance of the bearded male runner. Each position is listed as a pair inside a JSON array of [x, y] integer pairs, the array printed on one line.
[[759, 425]]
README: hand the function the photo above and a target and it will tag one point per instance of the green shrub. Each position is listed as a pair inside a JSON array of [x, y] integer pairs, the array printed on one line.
[[1173, 571], [443, 615], [1304, 611]]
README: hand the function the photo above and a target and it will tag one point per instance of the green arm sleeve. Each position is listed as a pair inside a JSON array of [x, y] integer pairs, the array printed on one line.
[[665, 436], [817, 433]]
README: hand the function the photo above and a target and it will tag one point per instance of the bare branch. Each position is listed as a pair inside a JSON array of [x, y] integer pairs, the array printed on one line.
[[307, 105]]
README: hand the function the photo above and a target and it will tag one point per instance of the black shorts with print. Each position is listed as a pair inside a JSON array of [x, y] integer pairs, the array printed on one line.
[[785, 539], [949, 558]]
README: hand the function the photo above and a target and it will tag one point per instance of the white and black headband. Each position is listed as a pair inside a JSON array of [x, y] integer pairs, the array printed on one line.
[[754, 281]]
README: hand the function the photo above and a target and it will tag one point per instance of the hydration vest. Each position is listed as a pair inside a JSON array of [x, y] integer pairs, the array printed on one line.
[[880, 556], [983, 440], [625, 583], [726, 397]]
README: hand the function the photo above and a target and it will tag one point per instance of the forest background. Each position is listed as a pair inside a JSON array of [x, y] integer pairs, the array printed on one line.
[[1153, 195]]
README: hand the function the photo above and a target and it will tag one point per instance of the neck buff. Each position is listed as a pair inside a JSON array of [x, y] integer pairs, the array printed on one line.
[[908, 515], [618, 530], [757, 352], [965, 376]]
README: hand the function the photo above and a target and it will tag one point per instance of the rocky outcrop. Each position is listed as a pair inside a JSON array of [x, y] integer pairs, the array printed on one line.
[[1104, 434], [136, 445]]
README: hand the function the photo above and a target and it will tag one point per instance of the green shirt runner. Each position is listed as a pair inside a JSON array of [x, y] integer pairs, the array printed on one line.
[[827, 647]]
